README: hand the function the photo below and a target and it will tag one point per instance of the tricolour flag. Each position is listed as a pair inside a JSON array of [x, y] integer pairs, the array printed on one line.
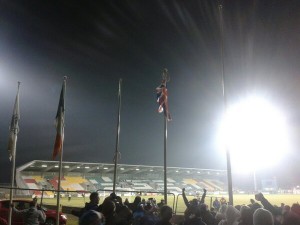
[[14, 127], [162, 99], [59, 123]]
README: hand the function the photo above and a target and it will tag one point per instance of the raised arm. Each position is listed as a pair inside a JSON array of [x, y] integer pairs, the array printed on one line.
[[186, 202], [267, 205], [203, 196]]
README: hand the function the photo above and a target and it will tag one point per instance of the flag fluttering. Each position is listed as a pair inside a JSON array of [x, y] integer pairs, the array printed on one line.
[[14, 127], [59, 122], [162, 99]]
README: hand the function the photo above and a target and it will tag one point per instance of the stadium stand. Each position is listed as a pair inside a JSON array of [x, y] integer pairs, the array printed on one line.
[[78, 176]]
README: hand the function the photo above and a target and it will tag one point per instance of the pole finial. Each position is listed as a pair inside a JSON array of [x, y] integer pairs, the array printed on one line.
[[65, 77], [165, 75]]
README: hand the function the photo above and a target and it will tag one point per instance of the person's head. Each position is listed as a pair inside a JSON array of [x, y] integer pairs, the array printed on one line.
[[238, 207], [262, 217], [94, 198], [255, 206], [119, 200], [91, 217], [246, 214], [148, 206], [137, 200], [166, 213], [194, 202], [113, 196], [296, 208], [108, 207], [33, 204], [286, 208], [232, 214], [203, 207]]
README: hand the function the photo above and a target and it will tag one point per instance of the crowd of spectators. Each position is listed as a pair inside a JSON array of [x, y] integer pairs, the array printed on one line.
[[258, 212], [113, 211]]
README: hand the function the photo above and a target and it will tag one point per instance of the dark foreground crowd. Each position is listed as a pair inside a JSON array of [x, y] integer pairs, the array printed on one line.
[[113, 211]]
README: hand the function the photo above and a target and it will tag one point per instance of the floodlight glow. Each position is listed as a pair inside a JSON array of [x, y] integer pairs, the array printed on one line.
[[255, 132]]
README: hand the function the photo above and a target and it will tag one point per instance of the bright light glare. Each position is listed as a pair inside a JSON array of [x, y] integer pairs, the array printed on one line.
[[255, 133]]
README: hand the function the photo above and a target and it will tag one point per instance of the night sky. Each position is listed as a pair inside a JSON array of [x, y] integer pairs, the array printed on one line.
[[95, 43]]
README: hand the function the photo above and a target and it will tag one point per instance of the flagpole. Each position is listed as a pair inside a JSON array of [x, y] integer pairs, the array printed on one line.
[[229, 173], [116, 157], [165, 159], [13, 167], [60, 161]]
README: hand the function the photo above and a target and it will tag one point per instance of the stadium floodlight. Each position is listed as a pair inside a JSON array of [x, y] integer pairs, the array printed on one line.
[[105, 168], [78, 167], [137, 169], [44, 166], [122, 168], [256, 134], [56, 166], [86, 167]]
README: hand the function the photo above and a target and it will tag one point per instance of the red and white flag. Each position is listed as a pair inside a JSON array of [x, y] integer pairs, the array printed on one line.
[[162, 99], [59, 120]]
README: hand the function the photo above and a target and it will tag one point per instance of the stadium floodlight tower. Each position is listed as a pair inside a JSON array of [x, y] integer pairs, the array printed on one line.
[[256, 134]]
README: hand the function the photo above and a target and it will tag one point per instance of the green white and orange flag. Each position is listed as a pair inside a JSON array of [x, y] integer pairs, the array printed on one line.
[[59, 120], [14, 127]]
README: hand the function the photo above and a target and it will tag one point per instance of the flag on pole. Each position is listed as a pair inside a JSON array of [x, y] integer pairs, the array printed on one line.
[[59, 123], [14, 127], [162, 99]]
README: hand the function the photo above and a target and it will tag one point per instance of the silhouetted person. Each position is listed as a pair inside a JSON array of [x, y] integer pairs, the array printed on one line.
[[92, 205], [165, 215], [32, 216]]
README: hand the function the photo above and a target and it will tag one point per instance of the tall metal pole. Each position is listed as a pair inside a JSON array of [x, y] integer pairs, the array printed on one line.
[[116, 157], [60, 161], [12, 183], [59, 187], [165, 159], [15, 127], [255, 180], [229, 174]]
